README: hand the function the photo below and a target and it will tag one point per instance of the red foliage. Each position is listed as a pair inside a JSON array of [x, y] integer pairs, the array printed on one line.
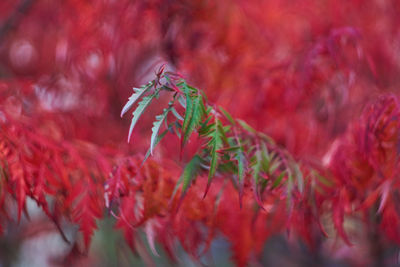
[[301, 72]]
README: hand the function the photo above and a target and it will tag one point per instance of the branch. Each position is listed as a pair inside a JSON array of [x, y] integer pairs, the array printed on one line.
[[229, 146]]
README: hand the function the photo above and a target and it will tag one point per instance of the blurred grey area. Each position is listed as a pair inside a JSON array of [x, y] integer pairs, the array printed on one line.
[[40, 244]]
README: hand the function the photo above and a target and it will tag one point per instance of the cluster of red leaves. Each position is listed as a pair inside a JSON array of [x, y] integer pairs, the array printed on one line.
[[64, 177], [78, 181], [305, 69], [366, 165]]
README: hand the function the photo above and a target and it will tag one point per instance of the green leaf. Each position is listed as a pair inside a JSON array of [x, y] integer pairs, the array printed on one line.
[[159, 138], [196, 118], [139, 111], [176, 114], [189, 174], [205, 129], [240, 159], [257, 166], [239, 156], [323, 180], [247, 127], [228, 116], [231, 149], [266, 138], [289, 189], [188, 115], [181, 101], [299, 177], [278, 180], [227, 167], [226, 128], [275, 164], [222, 133], [215, 143], [156, 128], [193, 116], [178, 183], [176, 127], [265, 159], [256, 171], [138, 92]]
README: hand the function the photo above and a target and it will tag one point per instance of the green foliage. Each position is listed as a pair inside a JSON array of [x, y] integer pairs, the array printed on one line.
[[139, 111], [239, 156], [230, 146], [138, 93], [256, 167], [194, 114], [189, 174], [215, 135], [156, 128], [158, 139]]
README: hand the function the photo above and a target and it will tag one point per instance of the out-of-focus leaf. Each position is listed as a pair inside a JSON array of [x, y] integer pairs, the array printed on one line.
[[278, 180], [239, 156], [228, 116], [189, 174], [246, 126], [299, 177], [256, 167], [338, 215]]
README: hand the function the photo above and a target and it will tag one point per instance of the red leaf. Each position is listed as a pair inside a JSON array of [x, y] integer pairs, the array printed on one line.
[[86, 212], [338, 216], [126, 219]]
